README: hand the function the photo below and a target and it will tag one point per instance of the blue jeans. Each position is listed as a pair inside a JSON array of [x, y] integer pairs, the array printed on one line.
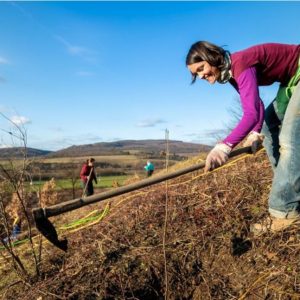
[[282, 144]]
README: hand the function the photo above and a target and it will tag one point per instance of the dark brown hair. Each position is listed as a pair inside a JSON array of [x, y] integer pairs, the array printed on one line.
[[91, 159], [205, 51]]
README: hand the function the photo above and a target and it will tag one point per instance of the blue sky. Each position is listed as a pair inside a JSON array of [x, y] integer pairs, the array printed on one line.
[[85, 72]]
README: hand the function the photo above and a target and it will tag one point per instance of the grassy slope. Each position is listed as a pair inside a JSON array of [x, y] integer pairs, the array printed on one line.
[[103, 182], [209, 251]]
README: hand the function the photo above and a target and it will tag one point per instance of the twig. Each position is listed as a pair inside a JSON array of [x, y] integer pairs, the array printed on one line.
[[253, 284]]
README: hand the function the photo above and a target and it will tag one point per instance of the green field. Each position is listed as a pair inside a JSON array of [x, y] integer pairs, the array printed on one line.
[[103, 182]]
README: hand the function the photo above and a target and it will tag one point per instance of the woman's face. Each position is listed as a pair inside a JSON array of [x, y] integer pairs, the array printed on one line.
[[205, 71]]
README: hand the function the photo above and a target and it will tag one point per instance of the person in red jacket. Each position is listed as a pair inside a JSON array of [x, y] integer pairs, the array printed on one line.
[[87, 175]]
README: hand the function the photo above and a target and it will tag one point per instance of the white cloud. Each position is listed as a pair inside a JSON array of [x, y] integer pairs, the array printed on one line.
[[20, 120], [4, 146], [3, 60], [76, 50], [150, 122], [79, 51]]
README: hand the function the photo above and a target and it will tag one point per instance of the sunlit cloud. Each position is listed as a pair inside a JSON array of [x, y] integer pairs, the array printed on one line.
[[150, 122], [4, 146], [76, 50], [20, 120], [3, 60]]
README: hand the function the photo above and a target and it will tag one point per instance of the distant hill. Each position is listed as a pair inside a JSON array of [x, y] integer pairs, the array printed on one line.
[[130, 146], [110, 148], [18, 152]]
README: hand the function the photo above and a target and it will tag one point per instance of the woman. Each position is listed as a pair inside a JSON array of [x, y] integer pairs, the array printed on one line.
[[279, 124], [87, 176]]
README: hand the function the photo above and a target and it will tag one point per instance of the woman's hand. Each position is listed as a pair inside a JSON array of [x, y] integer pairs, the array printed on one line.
[[254, 140], [217, 157]]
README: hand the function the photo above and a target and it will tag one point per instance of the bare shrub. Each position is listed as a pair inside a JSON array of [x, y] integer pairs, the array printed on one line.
[[49, 195], [14, 203], [132, 179], [14, 208]]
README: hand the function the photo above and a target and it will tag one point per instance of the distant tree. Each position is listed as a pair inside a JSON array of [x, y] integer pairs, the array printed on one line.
[[73, 174], [236, 113]]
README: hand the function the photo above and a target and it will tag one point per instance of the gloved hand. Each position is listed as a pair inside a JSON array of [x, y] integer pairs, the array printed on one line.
[[217, 157], [254, 140]]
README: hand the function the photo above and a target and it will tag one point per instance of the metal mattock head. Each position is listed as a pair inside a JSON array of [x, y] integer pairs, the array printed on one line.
[[47, 229]]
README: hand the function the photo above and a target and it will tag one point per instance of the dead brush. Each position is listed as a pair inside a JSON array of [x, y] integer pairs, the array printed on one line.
[[210, 253], [49, 195], [15, 209], [132, 179]]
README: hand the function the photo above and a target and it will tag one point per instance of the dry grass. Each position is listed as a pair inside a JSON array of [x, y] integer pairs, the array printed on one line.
[[49, 194], [100, 158], [210, 253]]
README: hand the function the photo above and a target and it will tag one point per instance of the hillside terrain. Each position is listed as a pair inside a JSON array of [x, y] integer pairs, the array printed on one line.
[[188, 238], [111, 148], [16, 152], [131, 147], [115, 158]]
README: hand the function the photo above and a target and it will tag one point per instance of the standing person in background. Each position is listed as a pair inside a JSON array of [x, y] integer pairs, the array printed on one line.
[[16, 214], [16, 230], [16, 227], [149, 168], [279, 125], [87, 176]]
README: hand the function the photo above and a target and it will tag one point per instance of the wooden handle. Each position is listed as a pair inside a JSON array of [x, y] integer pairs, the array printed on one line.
[[70, 205]]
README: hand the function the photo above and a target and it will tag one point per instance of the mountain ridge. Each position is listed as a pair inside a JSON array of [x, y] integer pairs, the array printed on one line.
[[126, 146], [109, 148]]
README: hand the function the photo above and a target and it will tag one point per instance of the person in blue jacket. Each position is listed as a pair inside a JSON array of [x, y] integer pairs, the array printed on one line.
[[149, 168], [16, 230]]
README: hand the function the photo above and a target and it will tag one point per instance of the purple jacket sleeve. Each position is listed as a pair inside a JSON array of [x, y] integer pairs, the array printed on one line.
[[252, 106]]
